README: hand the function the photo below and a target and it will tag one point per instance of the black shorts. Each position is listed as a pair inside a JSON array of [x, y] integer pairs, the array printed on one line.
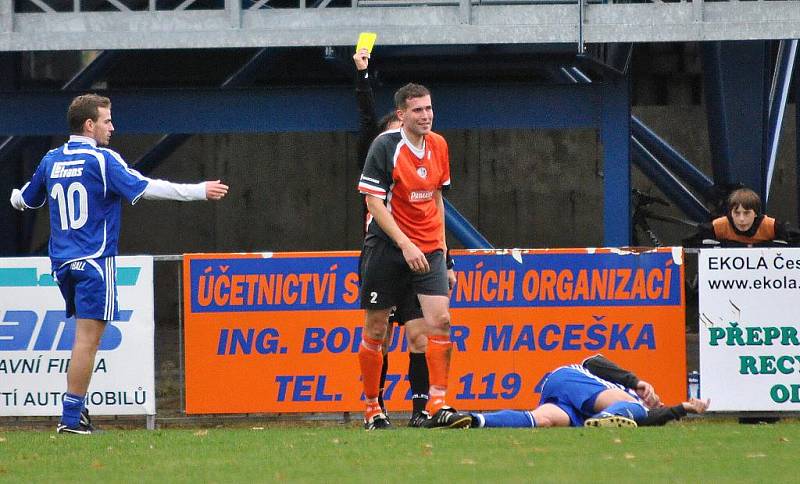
[[386, 279]]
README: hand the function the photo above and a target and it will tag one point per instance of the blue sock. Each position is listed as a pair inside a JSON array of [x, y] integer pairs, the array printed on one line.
[[506, 418], [73, 404], [632, 410]]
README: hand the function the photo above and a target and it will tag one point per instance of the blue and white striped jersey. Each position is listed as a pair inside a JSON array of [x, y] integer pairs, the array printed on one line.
[[84, 185]]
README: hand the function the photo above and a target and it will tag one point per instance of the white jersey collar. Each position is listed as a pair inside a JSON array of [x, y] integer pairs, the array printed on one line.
[[74, 138], [418, 152]]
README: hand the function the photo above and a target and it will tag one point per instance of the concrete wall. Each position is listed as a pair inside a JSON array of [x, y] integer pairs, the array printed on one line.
[[297, 192]]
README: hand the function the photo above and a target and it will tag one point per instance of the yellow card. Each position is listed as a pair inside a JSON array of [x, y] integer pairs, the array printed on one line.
[[366, 40]]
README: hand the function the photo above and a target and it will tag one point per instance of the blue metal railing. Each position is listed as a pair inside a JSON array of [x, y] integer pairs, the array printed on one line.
[[464, 231]]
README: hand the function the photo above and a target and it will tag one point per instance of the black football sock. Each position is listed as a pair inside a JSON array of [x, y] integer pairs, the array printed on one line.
[[418, 378], [383, 380]]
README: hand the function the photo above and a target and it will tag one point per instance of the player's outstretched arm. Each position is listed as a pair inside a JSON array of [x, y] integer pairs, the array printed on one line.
[[16, 200], [215, 190], [662, 415], [695, 405], [33, 194], [26, 197], [181, 192]]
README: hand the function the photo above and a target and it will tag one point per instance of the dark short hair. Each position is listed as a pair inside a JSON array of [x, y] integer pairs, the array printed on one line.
[[746, 198], [85, 107], [409, 91], [391, 116]]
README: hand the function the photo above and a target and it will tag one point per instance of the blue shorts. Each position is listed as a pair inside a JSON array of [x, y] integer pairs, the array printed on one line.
[[89, 288], [574, 391]]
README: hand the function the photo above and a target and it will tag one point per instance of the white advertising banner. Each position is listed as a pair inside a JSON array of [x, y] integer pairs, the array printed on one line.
[[36, 339], [749, 328]]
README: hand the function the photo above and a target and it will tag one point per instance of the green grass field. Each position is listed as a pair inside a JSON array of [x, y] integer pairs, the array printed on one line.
[[699, 451]]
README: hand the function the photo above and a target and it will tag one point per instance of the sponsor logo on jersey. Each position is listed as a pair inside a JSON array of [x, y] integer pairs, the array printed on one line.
[[67, 169], [422, 172], [420, 195]]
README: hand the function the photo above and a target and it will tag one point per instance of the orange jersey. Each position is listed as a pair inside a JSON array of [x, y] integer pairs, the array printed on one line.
[[762, 230], [406, 179]]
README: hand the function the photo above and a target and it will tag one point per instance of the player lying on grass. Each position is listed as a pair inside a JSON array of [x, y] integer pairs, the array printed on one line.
[[596, 393]]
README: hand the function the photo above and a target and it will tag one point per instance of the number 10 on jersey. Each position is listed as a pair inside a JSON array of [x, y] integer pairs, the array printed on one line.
[[73, 211]]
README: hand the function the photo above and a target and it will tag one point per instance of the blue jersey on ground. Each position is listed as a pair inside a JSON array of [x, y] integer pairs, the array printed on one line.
[[84, 185], [574, 389]]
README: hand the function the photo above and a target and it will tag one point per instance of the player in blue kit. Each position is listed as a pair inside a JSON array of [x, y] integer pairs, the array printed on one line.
[[595, 393], [85, 184]]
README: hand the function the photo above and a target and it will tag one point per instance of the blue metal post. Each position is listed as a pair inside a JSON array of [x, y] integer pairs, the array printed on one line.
[[462, 229], [715, 112], [615, 133], [734, 74], [648, 149], [673, 160], [779, 93], [667, 183], [797, 135]]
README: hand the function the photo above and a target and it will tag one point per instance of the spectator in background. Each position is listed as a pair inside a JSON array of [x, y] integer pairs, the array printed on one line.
[[744, 224]]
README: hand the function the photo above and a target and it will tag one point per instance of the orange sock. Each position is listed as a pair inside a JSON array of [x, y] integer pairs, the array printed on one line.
[[370, 359], [437, 356], [434, 405], [373, 408]]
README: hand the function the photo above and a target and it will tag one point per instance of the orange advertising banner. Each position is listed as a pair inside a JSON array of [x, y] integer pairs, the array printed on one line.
[[279, 332]]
